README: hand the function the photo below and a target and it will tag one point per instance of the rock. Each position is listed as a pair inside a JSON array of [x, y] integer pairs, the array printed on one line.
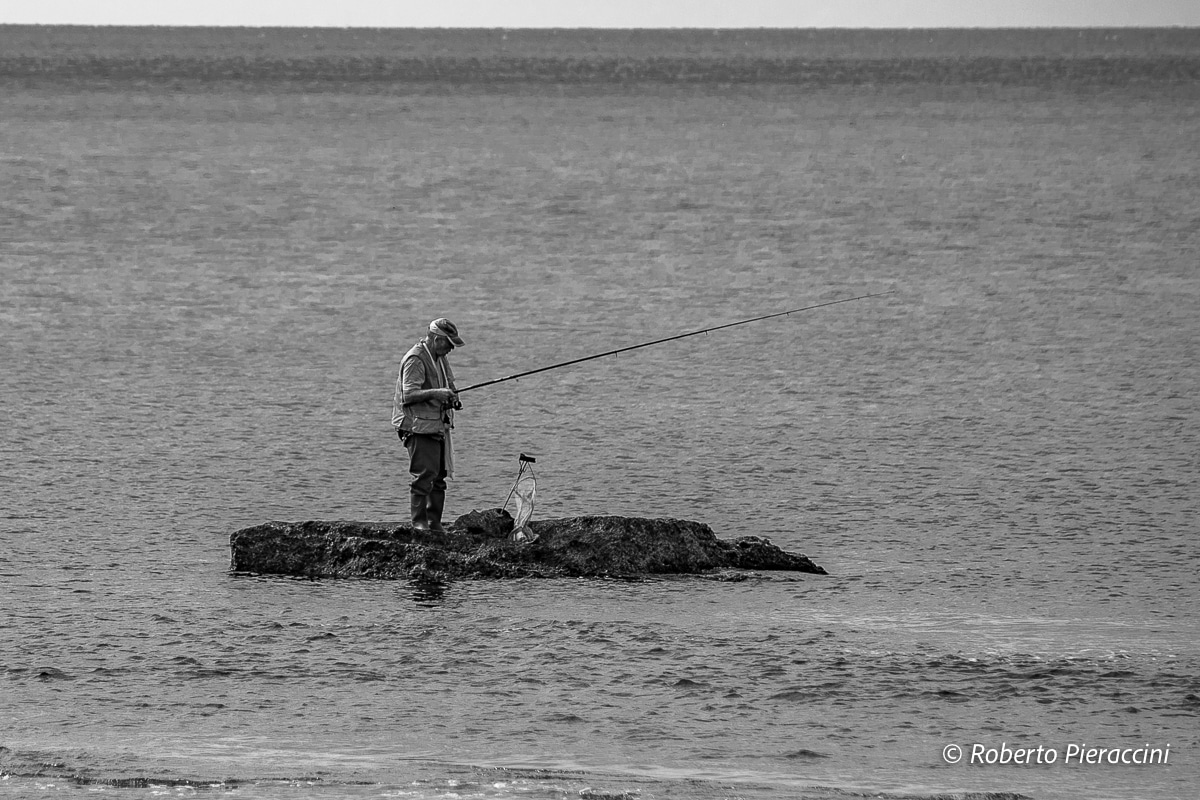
[[493, 523], [476, 545]]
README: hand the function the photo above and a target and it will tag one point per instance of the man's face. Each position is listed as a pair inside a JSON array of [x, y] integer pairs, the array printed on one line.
[[441, 346]]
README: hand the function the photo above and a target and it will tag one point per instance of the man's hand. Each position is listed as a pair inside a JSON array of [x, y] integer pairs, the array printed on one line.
[[443, 396]]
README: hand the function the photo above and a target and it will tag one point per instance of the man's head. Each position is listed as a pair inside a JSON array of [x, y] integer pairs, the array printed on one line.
[[443, 336]]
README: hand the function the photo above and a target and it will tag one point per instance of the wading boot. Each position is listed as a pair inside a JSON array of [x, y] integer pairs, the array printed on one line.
[[437, 502], [417, 508]]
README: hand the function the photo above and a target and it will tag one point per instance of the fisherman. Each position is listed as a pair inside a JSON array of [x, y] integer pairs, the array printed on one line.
[[423, 416]]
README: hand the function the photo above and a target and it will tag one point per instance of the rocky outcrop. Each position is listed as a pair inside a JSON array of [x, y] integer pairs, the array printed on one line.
[[478, 545]]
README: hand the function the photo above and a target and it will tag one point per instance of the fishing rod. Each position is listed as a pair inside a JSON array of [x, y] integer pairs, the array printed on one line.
[[668, 339]]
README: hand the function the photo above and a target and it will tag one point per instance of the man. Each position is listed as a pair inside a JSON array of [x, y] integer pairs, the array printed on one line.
[[423, 415]]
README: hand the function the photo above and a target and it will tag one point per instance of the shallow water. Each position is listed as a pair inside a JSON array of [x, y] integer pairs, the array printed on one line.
[[206, 294]]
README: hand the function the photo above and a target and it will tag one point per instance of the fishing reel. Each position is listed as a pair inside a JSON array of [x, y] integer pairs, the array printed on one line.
[[455, 404]]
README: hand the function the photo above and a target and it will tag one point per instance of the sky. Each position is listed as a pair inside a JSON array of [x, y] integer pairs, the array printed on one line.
[[609, 13]]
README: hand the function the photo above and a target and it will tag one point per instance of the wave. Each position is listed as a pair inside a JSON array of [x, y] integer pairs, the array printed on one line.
[[37, 772]]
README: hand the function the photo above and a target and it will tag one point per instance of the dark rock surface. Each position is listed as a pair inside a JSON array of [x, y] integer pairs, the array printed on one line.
[[477, 545]]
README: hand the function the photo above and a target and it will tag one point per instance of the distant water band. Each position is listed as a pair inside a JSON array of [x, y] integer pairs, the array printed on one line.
[[1033, 71]]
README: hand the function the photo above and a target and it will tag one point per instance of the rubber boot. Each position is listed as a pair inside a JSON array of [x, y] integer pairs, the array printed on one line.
[[437, 502], [420, 520]]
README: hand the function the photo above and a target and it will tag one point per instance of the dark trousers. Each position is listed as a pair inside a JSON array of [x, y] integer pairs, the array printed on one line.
[[428, 467]]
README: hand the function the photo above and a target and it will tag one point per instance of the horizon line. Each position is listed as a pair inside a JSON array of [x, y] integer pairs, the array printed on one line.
[[604, 28]]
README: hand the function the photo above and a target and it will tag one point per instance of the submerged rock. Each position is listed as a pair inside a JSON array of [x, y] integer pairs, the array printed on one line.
[[477, 545]]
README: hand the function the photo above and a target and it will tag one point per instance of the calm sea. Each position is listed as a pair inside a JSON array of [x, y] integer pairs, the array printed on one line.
[[209, 277]]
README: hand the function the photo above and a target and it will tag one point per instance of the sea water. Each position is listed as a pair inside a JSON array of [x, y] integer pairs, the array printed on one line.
[[207, 288]]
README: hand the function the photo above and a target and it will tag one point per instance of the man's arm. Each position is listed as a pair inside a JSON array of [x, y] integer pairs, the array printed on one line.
[[412, 377], [425, 395]]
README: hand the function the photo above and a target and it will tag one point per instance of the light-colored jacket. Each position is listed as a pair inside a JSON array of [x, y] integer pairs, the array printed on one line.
[[428, 417]]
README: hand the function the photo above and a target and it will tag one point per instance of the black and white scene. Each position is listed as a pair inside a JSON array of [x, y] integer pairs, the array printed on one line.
[[653, 400]]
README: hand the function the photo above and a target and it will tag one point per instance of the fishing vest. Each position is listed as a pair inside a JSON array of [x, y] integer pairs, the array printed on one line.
[[428, 417]]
